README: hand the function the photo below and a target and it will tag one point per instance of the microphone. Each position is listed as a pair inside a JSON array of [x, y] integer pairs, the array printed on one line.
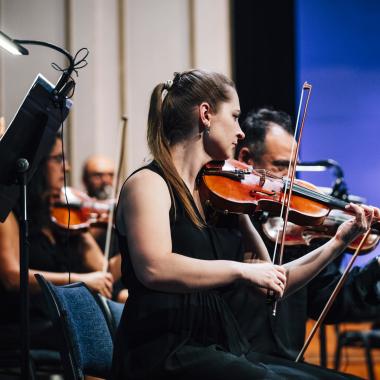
[[339, 186], [320, 166]]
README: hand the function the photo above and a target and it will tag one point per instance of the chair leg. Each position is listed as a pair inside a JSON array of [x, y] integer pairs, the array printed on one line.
[[338, 352], [367, 347], [322, 345], [32, 369]]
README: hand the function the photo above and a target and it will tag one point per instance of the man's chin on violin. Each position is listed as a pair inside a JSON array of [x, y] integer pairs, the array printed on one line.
[[274, 153]]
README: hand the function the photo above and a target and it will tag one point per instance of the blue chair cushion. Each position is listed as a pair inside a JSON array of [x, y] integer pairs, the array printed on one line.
[[88, 330]]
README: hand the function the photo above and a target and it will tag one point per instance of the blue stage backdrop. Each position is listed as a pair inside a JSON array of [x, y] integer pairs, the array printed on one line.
[[338, 52]]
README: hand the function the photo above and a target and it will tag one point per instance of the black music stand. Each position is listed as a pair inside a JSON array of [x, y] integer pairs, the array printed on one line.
[[28, 139]]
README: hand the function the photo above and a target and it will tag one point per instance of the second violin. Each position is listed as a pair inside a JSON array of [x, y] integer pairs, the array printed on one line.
[[304, 235], [84, 210], [234, 187]]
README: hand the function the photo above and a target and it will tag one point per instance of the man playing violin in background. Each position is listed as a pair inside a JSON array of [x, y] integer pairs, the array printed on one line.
[[97, 177], [267, 145]]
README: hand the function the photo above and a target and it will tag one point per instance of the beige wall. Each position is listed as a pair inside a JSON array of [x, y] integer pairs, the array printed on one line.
[[159, 37]]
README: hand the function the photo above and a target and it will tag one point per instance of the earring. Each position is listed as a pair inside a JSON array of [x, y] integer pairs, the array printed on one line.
[[207, 129]]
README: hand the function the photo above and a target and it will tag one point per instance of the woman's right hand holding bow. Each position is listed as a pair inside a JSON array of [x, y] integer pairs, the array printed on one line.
[[267, 276]]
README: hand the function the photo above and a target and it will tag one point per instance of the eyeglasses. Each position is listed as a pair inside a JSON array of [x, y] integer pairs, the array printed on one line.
[[58, 158]]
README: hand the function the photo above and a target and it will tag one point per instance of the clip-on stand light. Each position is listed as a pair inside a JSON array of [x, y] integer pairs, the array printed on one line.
[[28, 139]]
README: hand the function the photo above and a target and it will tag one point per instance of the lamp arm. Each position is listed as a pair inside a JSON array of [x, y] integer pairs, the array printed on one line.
[[57, 48], [66, 73]]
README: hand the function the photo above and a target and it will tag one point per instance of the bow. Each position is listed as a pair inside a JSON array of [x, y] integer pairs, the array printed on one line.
[[115, 188], [302, 108]]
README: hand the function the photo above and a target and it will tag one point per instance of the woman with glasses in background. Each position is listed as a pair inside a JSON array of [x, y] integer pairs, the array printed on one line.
[[51, 254]]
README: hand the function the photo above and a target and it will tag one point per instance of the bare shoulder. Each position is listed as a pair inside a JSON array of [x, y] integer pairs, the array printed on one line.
[[144, 175], [144, 189], [145, 183]]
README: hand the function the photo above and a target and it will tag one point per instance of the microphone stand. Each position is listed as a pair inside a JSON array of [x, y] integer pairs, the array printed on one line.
[[63, 87], [22, 166]]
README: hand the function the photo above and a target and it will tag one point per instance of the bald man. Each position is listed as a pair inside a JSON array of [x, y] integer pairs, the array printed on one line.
[[97, 176], [98, 172]]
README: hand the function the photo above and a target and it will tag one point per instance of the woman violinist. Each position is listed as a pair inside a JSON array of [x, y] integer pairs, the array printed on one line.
[[50, 254], [176, 266]]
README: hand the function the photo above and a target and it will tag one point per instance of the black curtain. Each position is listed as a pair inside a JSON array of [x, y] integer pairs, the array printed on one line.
[[264, 53]]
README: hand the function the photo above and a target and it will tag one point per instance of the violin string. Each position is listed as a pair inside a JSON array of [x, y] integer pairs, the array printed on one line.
[[314, 195], [305, 191], [299, 189], [327, 199]]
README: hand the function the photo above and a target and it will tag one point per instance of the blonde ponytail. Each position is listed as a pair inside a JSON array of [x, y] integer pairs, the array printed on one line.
[[159, 147]]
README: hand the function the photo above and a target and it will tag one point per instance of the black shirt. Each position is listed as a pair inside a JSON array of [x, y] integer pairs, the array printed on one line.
[[285, 333]]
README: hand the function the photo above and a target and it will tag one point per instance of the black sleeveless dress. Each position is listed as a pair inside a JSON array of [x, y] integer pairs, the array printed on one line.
[[183, 336], [194, 335]]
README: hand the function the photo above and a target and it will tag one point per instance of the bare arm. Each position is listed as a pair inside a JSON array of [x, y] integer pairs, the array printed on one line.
[[253, 242], [144, 214], [302, 270], [93, 258], [115, 266]]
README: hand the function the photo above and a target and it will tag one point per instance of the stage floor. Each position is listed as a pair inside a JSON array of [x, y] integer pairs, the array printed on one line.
[[352, 359]]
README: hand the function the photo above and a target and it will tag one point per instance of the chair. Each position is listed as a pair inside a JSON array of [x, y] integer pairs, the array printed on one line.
[[43, 362], [112, 311], [367, 339], [87, 344]]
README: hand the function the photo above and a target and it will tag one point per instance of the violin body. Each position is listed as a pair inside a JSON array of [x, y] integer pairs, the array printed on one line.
[[304, 235], [234, 187], [84, 211]]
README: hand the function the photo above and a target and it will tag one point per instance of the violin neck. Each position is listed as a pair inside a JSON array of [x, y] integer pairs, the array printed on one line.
[[337, 203], [332, 202], [313, 195]]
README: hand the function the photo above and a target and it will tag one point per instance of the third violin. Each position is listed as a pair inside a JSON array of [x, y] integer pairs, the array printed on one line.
[[80, 212], [234, 187]]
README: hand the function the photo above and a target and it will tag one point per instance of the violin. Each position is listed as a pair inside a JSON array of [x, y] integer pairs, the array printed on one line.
[[235, 187], [303, 235], [84, 210]]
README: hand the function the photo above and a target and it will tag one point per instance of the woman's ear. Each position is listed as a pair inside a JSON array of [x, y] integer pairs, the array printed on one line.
[[204, 116]]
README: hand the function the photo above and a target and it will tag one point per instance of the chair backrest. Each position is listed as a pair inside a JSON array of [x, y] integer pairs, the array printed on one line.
[[87, 343]]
